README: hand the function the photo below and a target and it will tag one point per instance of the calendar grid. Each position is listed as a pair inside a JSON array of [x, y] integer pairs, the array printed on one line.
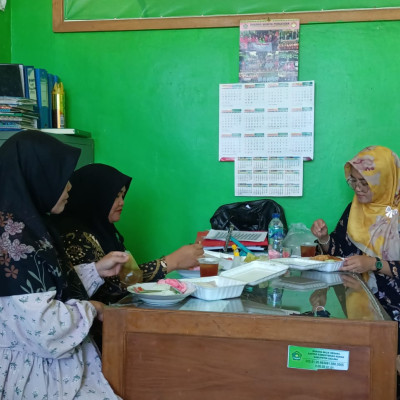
[[266, 119], [269, 176]]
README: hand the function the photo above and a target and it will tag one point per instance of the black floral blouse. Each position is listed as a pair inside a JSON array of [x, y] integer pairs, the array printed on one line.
[[83, 247], [388, 287]]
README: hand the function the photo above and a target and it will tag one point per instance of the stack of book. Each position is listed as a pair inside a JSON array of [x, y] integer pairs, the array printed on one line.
[[17, 113], [36, 84]]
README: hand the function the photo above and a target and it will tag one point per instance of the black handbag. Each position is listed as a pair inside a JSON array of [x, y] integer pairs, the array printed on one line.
[[247, 215]]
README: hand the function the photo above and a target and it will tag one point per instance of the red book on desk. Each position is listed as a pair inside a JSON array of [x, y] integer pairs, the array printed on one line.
[[220, 243]]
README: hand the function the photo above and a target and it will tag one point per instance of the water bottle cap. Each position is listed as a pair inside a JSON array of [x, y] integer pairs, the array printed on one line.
[[275, 215]]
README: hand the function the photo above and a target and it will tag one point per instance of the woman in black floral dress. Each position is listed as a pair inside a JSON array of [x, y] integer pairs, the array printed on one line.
[[367, 234], [88, 232]]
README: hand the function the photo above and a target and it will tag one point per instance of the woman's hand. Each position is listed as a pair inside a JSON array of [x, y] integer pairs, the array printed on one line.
[[358, 264], [184, 257], [99, 308], [111, 263], [318, 298], [350, 282], [320, 230]]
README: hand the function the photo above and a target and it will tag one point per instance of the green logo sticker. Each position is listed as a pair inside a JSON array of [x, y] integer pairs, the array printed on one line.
[[314, 358]]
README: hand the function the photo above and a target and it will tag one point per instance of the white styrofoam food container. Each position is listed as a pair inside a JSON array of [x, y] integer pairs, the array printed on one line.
[[224, 305], [299, 283], [300, 263], [331, 278], [224, 288], [256, 272], [329, 266]]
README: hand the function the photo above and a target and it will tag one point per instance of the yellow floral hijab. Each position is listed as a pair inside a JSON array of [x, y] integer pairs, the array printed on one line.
[[373, 227]]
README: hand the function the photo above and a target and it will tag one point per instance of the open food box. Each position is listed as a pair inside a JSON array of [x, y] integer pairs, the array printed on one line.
[[256, 272], [306, 263], [216, 287]]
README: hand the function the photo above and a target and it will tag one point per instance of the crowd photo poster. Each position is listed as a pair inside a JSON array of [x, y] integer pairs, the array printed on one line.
[[269, 50]]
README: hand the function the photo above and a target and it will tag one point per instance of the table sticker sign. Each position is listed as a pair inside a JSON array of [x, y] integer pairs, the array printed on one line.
[[315, 358]]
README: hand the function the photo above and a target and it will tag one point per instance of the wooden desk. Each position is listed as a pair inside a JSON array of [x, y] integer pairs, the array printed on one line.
[[174, 354]]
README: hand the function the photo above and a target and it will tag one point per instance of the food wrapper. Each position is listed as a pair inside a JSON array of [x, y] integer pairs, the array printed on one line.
[[130, 271]]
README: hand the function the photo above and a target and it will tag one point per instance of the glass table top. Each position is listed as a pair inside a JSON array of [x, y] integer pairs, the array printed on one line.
[[297, 293]]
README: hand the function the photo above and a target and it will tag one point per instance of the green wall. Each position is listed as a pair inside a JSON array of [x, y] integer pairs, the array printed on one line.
[[150, 99], [5, 34]]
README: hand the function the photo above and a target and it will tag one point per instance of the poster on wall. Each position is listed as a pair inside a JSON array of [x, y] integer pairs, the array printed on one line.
[[269, 176], [266, 119], [269, 50]]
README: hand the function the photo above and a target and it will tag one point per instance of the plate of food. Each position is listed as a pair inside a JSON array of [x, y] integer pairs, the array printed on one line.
[[328, 263], [163, 293]]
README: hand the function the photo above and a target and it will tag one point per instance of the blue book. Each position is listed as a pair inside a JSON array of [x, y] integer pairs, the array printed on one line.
[[42, 93], [50, 85], [26, 89]]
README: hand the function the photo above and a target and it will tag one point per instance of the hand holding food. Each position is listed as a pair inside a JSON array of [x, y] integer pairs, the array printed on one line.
[[184, 257], [111, 263], [320, 230]]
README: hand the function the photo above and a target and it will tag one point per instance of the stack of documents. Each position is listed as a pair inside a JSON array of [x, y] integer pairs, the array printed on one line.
[[17, 113], [215, 239]]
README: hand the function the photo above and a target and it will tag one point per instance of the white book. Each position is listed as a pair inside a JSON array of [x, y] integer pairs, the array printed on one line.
[[66, 131]]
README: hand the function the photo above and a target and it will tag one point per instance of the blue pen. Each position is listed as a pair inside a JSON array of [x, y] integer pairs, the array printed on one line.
[[243, 249]]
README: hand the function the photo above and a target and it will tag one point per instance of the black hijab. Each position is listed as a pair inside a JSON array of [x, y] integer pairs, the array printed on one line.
[[94, 190], [34, 170]]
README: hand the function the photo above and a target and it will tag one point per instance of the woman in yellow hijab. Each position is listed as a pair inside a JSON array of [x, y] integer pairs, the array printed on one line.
[[367, 234]]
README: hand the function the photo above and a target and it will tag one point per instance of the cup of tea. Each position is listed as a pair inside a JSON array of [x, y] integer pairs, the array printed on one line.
[[208, 266], [308, 249]]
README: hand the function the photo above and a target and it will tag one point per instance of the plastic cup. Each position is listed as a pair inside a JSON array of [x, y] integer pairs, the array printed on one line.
[[308, 249], [208, 266], [286, 252]]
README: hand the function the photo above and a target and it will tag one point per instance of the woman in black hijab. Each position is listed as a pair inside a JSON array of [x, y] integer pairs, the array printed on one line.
[[44, 340], [88, 230]]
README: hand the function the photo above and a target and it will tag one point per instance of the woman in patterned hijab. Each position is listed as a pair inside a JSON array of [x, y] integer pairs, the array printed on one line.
[[367, 234], [374, 226], [45, 349]]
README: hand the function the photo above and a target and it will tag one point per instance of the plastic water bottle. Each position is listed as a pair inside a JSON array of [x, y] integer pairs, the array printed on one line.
[[275, 237], [275, 249]]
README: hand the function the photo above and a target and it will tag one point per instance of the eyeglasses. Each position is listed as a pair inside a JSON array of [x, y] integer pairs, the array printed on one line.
[[362, 184]]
